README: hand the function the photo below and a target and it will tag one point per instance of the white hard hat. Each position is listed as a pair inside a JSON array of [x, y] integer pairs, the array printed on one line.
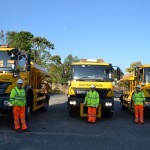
[[138, 86], [19, 81], [93, 86]]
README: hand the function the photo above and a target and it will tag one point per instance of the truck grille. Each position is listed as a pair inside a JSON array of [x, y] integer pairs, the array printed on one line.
[[82, 92]]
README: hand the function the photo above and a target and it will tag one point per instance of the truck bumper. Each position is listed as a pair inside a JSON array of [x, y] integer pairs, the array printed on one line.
[[75, 102], [4, 102], [147, 103], [105, 103], [6, 107]]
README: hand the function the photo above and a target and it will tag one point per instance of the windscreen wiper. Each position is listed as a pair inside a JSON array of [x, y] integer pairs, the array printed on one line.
[[80, 79], [83, 78], [104, 80]]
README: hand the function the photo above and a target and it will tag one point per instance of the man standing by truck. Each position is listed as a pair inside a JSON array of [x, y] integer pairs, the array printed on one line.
[[18, 101], [92, 100], [139, 100]]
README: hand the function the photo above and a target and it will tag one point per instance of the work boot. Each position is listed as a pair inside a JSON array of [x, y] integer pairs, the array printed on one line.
[[141, 121], [89, 120], [18, 130], [26, 130], [136, 120], [93, 121]]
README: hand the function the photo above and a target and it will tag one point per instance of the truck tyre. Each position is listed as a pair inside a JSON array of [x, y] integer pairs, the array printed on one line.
[[123, 108], [132, 109], [29, 104], [72, 112], [27, 112], [108, 113], [44, 109], [121, 97]]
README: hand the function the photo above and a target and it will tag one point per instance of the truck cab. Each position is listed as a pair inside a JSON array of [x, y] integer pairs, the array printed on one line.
[[89, 72], [141, 76], [15, 64]]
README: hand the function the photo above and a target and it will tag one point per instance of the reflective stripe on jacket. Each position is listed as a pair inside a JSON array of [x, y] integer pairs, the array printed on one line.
[[17, 97], [138, 98], [92, 98]]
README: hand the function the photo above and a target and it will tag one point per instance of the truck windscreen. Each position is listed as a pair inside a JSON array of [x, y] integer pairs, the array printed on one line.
[[91, 72], [6, 61], [147, 75]]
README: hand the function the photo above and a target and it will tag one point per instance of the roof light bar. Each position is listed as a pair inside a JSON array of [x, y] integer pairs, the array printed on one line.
[[92, 60], [5, 46]]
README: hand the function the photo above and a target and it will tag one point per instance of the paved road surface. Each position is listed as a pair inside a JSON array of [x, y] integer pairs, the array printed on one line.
[[55, 130]]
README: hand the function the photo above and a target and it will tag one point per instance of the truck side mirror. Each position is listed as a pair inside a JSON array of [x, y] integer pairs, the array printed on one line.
[[28, 62], [22, 63], [143, 84], [118, 73], [136, 73]]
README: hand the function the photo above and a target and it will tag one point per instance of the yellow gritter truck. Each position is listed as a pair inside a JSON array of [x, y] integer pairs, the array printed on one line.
[[141, 76], [15, 64], [85, 73]]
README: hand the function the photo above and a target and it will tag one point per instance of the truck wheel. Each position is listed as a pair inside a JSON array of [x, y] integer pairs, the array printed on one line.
[[121, 97], [122, 106], [27, 112], [108, 113], [44, 109], [72, 112], [132, 109], [29, 102]]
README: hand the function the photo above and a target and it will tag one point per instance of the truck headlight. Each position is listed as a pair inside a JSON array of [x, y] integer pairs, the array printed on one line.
[[147, 104], [6, 103], [72, 102], [108, 104]]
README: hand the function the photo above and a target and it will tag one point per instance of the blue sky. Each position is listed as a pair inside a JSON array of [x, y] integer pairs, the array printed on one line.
[[116, 30]]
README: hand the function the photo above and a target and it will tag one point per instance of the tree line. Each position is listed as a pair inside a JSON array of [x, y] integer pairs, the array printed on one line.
[[39, 48]]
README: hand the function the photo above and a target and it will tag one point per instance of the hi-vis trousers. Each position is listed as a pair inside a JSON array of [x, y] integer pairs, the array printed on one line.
[[91, 114], [139, 113], [19, 113]]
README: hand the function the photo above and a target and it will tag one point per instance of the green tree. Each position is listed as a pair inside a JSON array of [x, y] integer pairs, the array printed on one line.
[[67, 67], [56, 59], [20, 40], [41, 50], [69, 59], [39, 47], [55, 69], [133, 66], [2, 37]]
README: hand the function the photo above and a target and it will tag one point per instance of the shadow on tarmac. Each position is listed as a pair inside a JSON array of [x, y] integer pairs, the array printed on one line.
[[58, 114]]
